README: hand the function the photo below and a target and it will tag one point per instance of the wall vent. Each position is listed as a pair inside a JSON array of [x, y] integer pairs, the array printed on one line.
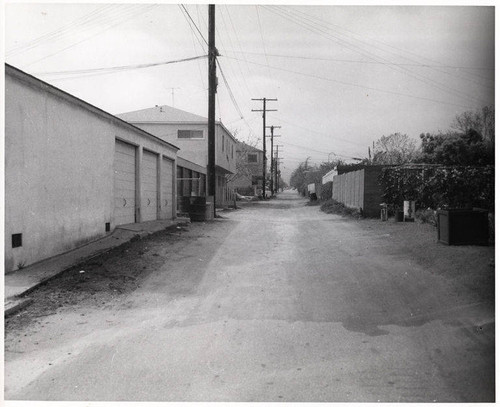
[[17, 240]]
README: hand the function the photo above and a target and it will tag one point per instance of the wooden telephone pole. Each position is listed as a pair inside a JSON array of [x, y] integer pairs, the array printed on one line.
[[212, 90], [272, 168], [264, 161]]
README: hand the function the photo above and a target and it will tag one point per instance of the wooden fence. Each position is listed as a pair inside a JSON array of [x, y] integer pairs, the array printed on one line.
[[360, 190]]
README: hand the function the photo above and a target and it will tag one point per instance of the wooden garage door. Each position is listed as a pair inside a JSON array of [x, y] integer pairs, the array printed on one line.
[[149, 181], [167, 168], [124, 183]]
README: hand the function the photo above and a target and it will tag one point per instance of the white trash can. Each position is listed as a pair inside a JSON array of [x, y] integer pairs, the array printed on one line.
[[409, 211]]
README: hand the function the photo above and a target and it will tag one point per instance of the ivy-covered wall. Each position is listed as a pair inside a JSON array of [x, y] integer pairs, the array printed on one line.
[[440, 186]]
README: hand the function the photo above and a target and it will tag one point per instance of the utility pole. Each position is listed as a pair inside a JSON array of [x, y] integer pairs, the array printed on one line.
[[272, 152], [264, 161], [277, 173], [212, 90]]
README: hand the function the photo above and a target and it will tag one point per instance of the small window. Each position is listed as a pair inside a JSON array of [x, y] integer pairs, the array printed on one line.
[[252, 158], [191, 134], [222, 143], [17, 240]]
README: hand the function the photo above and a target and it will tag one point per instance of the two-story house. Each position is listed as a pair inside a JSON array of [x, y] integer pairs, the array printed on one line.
[[190, 133], [248, 177]]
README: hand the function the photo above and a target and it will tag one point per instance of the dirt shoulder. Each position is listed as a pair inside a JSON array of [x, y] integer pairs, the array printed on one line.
[[470, 268], [100, 281]]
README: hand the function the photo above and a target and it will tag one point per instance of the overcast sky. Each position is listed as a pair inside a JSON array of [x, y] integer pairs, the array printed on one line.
[[343, 75]]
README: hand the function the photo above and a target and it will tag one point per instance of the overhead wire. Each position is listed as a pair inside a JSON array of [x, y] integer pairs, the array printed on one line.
[[401, 52], [352, 36], [349, 60], [359, 86], [230, 39], [368, 54], [262, 38], [250, 71], [193, 37], [194, 24], [127, 16], [61, 32], [119, 68]]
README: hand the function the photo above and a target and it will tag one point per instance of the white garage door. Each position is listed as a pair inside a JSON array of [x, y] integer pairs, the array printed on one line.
[[124, 183], [149, 180], [167, 169]]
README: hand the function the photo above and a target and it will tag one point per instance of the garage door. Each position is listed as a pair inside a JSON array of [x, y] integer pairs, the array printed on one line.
[[167, 168], [149, 181], [124, 183]]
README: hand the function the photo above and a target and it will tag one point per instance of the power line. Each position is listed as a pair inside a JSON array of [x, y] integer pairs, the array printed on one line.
[[193, 37], [60, 32], [128, 17], [189, 15], [312, 27], [120, 68], [317, 132], [231, 95], [329, 24], [353, 60], [356, 85]]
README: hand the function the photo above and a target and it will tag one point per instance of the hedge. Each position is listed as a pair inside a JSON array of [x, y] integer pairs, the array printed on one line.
[[440, 186]]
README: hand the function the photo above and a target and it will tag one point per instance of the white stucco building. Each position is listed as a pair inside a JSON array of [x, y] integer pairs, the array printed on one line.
[[190, 133], [74, 172]]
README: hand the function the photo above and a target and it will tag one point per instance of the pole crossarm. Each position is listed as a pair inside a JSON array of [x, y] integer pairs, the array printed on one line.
[[264, 110]]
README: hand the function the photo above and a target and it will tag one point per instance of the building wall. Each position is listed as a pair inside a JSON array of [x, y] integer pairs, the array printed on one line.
[[242, 181], [360, 190], [196, 150], [58, 170]]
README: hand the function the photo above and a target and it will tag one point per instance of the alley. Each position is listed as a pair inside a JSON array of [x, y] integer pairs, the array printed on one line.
[[277, 301]]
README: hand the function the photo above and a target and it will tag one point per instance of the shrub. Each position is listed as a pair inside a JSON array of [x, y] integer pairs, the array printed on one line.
[[333, 206], [426, 216], [326, 191], [439, 186]]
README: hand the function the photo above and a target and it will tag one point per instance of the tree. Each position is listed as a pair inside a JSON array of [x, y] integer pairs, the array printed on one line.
[[454, 148], [396, 148], [243, 167], [482, 121], [306, 174]]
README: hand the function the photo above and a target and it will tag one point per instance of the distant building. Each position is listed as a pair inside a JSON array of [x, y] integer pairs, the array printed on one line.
[[74, 172], [248, 177], [328, 177], [190, 133]]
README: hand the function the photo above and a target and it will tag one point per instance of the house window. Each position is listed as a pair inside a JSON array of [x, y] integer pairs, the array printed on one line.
[[252, 158], [192, 134], [222, 143]]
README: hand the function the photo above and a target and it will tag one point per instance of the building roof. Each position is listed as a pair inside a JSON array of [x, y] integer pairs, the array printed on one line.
[[244, 147], [167, 114], [162, 114], [21, 75]]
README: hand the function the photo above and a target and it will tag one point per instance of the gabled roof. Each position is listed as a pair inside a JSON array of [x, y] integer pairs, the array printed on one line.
[[165, 114]]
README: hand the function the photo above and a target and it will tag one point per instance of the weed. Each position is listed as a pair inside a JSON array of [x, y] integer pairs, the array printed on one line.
[[332, 206]]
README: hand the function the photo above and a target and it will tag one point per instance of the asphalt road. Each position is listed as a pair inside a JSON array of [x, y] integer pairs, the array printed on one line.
[[275, 302]]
